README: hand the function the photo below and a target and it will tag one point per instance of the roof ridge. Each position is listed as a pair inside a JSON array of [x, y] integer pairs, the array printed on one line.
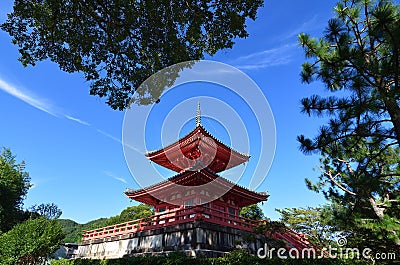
[[194, 131]]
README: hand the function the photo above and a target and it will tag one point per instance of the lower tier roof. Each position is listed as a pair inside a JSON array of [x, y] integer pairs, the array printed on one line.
[[197, 182]]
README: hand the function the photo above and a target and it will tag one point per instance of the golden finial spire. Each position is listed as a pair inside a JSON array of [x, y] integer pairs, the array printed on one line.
[[198, 116]]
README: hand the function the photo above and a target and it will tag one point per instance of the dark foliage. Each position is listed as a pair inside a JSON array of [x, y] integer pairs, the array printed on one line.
[[118, 44]]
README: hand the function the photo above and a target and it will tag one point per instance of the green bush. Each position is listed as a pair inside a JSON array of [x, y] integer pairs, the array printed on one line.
[[233, 258], [30, 242]]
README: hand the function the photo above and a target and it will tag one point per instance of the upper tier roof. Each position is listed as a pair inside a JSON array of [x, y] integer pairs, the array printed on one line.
[[197, 150]]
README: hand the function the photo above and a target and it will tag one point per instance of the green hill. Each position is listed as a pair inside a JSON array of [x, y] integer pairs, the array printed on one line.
[[73, 230]]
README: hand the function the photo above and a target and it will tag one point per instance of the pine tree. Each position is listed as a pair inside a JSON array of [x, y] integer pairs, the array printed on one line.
[[358, 62]]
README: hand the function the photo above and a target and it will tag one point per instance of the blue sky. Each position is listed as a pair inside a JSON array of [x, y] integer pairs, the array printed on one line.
[[71, 141]]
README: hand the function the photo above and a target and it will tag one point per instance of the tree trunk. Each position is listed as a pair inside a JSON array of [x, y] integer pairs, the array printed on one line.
[[378, 211], [394, 112]]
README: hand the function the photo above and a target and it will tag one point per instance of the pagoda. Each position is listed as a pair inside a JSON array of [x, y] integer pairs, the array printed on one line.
[[196, 210], [197, 158]]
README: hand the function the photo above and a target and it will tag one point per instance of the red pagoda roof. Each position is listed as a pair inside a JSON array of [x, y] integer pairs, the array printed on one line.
[[197, 150], [193, 180]]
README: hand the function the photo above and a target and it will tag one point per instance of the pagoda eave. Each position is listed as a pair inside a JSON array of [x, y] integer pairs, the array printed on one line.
[[198, 180], [198, 145]]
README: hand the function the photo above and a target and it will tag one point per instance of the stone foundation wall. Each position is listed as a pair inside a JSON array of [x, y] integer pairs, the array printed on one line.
[[195, 239]]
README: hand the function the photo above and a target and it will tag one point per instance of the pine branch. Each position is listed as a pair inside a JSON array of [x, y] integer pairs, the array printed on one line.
[[347, 165], [332, 179]]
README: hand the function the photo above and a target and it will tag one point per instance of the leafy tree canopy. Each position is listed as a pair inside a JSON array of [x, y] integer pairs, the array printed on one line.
[[358, 61], [314, 222], [14, 185], [130, 213], [253, 212], [30, 242], [119, 44], [48, 210]]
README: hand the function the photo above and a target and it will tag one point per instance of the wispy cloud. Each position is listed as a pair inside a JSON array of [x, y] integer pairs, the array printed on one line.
[[115, 177], [36, 101], [280, 55], [267, 58], [119, 141], [77, 120], [109, 136], [28, 97], [46, 106], [316, 23]]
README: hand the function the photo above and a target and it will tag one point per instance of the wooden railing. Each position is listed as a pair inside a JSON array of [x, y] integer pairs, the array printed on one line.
[[293, 239], [170, 218], [195, 213]]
